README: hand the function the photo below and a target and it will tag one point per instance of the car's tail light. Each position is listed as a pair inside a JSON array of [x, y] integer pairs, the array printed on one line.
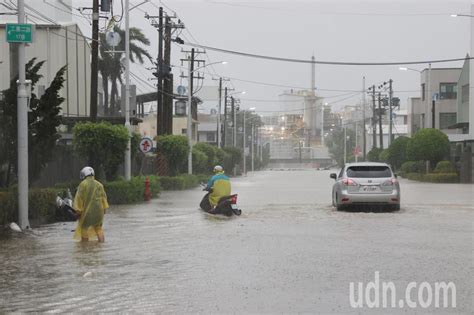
[[349, 182], [390, 182], [233, 199]]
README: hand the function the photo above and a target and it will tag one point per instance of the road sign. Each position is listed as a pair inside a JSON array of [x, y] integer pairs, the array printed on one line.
[[356, 151], [146, 144], [19, 33]]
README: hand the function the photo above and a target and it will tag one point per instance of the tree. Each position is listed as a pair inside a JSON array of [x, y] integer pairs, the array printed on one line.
[[103, 144], [397, 152], [110, 65], [428, 145], [374, 154], [43, 121], [335, 143], [175, 149]]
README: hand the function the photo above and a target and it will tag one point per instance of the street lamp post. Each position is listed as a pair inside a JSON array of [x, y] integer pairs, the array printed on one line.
[[245, 141], [189, 132]]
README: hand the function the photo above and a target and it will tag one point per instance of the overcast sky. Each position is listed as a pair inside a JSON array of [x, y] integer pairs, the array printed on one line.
[[335, 30]]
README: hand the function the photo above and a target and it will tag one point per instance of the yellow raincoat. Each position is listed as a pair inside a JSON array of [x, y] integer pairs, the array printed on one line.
[[91, 202], [220, 185]]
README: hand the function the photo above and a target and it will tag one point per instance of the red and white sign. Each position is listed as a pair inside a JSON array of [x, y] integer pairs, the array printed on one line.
[[356, 151], [146, 145]]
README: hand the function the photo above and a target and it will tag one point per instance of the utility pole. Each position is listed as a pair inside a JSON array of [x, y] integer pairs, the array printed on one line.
[[159, 85], [380, 122], [390, 97], [219, 144], [244, 145], [94, 59], [374, 120], [253, 146], [345, 145], [190, 116], [364, 139], [22, 127], [225, 118], [128, 158], [234, 122], [167, 82]]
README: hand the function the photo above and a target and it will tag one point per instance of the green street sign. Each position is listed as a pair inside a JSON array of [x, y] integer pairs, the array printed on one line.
[[19, 33]]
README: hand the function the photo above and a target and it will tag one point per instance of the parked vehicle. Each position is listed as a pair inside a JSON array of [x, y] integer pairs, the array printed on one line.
[[367, 184]]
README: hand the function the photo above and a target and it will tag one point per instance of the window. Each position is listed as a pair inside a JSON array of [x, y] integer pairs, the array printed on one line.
[[423, 92], [369, 171], [211, 137], [465, 93], [447, 91], [446, 120], [184, 131]]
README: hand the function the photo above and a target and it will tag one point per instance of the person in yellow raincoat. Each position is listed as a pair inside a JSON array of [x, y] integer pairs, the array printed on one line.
[[219, 185], [91, 203]]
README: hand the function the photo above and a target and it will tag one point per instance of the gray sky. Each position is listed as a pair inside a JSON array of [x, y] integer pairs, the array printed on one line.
[[356, 31]]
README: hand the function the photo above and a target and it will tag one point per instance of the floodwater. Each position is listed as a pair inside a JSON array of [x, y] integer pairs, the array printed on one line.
[[289, 252]]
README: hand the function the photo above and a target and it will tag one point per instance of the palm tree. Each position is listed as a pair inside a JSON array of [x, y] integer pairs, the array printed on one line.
[[110, 65]]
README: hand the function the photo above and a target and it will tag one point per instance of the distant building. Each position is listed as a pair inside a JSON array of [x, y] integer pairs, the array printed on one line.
[[443, 88]]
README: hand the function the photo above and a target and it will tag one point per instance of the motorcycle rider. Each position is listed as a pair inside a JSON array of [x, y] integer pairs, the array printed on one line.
[[218, 185]]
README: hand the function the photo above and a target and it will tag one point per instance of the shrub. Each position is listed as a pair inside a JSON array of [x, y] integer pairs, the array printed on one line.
[[124, 192], [189, 181], [444, 167], [7, 207], [233, 157], [175, 149], [383, 156], [180, 182], [429, 145], [396, 154], [441, 178], [414, 176], [413, 167], [373, 155], [41, 206], [211, 152], [199, 161], [103, 144], [171, 183]]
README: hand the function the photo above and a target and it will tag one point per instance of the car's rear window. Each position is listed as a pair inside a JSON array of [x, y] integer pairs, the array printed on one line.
[[368, 171]]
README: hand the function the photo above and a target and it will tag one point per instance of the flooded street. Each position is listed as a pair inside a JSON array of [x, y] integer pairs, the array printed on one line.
[[289, 252]]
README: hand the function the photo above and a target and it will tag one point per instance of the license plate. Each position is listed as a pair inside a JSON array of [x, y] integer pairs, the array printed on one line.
[[234, 206], [369, 188]]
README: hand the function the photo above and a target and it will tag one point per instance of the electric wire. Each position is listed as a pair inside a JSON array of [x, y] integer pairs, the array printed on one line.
[[336, 63]]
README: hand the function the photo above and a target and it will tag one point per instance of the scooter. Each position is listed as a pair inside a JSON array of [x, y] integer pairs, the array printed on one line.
[[227, 205], [64, 209]]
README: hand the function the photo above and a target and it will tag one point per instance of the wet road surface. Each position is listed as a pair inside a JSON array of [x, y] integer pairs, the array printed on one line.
[[289, 252]]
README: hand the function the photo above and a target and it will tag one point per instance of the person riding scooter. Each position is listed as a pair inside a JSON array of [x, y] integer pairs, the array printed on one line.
[[218, 186]]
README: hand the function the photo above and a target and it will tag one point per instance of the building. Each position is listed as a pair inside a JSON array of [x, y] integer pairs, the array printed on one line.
[[58, 45], [440, 85], [207, 128]]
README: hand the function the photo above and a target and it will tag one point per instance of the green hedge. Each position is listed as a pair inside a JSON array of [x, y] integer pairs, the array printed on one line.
[[434, 177], [182, 182], [41, 206], [441, 178], [444, 167], [124, 192]]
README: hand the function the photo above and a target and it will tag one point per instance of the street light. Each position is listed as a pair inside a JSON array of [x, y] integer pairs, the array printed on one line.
[[251, 109], [406, 69], [190, 117], [465, 15], [234, 118]]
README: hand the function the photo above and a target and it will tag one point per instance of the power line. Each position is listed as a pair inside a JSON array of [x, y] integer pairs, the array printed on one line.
[[338, 63]]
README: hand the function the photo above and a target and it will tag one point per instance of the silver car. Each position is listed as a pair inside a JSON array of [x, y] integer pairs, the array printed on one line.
[[366, 183]]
